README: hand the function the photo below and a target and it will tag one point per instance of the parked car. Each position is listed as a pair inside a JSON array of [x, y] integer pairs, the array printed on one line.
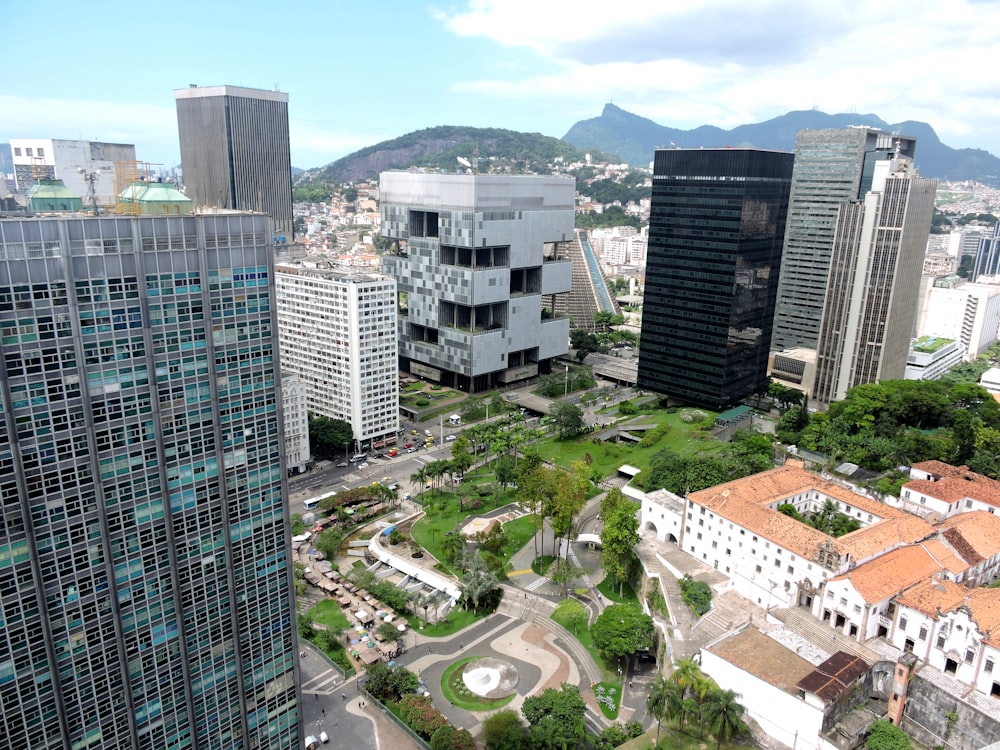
[[450, 438], [393, 453], [342, 465], [363, 465]]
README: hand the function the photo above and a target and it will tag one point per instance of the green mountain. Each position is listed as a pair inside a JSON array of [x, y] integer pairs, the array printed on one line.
[[440, 148], [633, 139]]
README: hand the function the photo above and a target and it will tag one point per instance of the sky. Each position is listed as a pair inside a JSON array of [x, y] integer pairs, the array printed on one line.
[[360, 73]]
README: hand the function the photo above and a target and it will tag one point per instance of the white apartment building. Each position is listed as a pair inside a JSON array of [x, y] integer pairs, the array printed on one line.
[[968, 313], [295, 420], [946, 490], [337, 331], [72, 162]]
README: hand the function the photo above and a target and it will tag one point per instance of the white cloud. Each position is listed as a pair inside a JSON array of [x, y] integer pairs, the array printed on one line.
[[724, 62]]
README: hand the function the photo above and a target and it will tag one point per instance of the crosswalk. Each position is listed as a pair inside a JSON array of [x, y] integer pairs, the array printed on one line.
[[535, 585], [323, 683]]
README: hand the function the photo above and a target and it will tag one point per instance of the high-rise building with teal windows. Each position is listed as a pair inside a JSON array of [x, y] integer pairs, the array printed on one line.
[[145, 578]]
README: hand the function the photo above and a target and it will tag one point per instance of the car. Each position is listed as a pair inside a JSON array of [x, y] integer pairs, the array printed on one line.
[[386, 480], [450, 438], [393, 453], [408, 446], [342, 465], [428, 433], [363, 465], [411, 449]]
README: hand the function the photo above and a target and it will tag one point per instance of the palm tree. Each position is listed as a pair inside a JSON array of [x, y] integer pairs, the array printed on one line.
[[689, 711], [452, 546], [723, 714], [664, 703], [419, 478], [687, 674]]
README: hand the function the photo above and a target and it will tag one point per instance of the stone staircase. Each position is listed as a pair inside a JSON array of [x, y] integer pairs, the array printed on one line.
[[821, 635]]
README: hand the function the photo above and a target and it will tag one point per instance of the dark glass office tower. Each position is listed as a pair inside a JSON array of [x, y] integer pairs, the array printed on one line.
[[715, 233], [235, 150], [145, 575]]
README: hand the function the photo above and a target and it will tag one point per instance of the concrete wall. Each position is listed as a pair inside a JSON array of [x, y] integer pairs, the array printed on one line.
[[926, 719]]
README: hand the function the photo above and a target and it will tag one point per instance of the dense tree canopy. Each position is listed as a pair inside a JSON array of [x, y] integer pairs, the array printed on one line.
[[621, 630], [900, 422], [556, 717], [328, 436], [747, 453]]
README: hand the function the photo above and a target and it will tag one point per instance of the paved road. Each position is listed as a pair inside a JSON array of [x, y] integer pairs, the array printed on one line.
[[323, 706]]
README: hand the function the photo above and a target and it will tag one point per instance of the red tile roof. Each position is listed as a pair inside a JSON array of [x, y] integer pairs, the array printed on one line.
[[953, 483], [881, 578]]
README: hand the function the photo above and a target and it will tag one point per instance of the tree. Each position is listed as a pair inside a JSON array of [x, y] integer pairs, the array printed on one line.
[[387, 632], [562, 572], [328, 436], [884, 735], [389, 683], [689, 677], [567, 418], [557, 716], [722, 713], [504, 731], [420, 715], [618, 539], [696, 594], [621, 630], [664, 702], [575, 613], [452, 546], [450, 738], [329, 541]]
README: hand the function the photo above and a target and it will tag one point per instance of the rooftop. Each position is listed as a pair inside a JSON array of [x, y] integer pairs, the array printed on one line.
[[930, 344], [764, 658]]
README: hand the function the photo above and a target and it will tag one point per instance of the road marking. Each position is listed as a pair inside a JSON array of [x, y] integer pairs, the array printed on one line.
[[535, 585], [520, 572]]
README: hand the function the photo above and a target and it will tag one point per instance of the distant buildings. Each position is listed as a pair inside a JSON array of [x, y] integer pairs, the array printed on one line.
[[987, 268], [931, 357], [479, 262], [145, 579], [874, 279], [831, 167], [952, 308], [716, 227], [73, 162], [235, 150], [337, 329]]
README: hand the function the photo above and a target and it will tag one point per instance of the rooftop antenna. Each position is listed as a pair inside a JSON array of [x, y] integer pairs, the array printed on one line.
[[464, 162], [91, 176]]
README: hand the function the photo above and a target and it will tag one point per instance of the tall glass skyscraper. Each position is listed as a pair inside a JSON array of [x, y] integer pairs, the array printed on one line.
[[832, 167], [145, 577], [715, 232]]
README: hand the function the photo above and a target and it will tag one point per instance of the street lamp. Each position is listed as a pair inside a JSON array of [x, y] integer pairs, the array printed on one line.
[[566, 389]]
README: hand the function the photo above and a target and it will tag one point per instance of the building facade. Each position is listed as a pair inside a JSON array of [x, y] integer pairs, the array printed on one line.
[[714, 251], [235, 150], [874, 282], [831, 167], [295, 415], [931, 357], [337, 329], [146, 589], [479, 261], [73, 162], [952, 308]]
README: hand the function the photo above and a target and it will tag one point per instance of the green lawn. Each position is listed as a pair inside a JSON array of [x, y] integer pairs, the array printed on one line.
[[609, 589], [684, 438], [612, 694], [329, 613], [609, 667], [519, 532], [457, 619], [453, 688]]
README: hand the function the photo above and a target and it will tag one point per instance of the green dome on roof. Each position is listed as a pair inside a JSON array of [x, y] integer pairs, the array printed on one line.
[[53, 195], [156, 198]]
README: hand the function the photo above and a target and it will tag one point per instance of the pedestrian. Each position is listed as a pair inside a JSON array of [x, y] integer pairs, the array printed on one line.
[[460, 646], [344, 696], [324, 711], [316, 696], [630, 684]]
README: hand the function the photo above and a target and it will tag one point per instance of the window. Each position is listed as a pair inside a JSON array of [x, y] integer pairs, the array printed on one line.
[[758, 569], [988, 665], [27, 152], [922, 635], [857, 609], [969, 656], [902, 623], [41, 153], [829, 594], [940, 641], [843, 601], [17, 151]]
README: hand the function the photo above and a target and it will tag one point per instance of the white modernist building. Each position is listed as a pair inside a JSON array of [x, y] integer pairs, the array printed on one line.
[[479, 261], [337, 331], [73, 162], [968, 313], [930, 357], [295, 416]]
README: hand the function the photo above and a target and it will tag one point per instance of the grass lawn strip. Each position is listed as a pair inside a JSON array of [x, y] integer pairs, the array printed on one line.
[[329, 613], [453, 688], [608, 695]]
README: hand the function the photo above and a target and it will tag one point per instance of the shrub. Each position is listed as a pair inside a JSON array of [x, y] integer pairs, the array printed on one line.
[[420, 715], [696, 594], [450, 738]]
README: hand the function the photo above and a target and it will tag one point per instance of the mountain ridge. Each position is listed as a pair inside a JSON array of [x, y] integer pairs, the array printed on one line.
[[634, 138]]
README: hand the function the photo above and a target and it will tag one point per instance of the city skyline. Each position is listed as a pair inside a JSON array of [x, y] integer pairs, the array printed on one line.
[[482, 65]]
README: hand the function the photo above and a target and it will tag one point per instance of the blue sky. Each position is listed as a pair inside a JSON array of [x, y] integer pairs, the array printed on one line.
[[359, 73]]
